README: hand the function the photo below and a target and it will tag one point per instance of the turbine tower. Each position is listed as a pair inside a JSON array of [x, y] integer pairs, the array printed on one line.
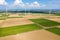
[[28, 6], [49, 12]]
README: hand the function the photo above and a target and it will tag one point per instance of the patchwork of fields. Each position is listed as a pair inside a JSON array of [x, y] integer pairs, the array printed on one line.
[[10, 26]]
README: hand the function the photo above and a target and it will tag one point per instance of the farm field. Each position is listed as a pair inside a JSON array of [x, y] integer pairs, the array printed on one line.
[[18, 29], [54, 30], [29, 19], [45, 22], [30, 27], [48, 25]]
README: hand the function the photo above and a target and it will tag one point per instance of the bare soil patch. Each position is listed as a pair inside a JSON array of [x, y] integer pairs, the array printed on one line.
[[54, 18], [16, 21], [58, 26], [1, 23], [23, 21], [13, 15], [34, 16]]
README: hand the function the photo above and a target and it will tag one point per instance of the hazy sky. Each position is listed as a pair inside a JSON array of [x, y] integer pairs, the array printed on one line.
[[29, 4]]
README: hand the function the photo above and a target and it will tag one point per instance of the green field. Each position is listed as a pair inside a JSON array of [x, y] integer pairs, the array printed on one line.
[[3, 16], [48, 23], [45, 22], [18, 29], [15, 17], [54, 30], [57, 14]]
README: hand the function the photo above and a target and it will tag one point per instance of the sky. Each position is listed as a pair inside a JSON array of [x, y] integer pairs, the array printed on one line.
[[29, 4]]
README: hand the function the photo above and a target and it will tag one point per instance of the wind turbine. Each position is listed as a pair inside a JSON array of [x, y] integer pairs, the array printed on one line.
[[49, 12], [6, 9], [9, 3], [35, 5], [25, 10], [28, 6]]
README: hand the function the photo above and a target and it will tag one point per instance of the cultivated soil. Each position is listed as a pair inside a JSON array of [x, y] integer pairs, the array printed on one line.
[[15, 21]]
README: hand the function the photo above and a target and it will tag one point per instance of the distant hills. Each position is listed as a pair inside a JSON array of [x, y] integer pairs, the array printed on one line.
[[34, 11]]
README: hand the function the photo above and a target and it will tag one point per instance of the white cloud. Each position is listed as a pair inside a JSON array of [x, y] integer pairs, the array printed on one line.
[[28, 5], [2, 2], [35, 4], [19, 3]]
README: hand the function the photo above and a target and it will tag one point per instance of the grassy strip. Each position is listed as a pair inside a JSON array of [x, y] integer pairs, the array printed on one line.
[[45, 22], [2, 18], [15, 17], [18, 29], [54, 30], [57, 14]]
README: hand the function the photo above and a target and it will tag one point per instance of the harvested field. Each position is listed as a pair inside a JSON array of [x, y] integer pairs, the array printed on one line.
[[54, 18], [1, 23], [34, 16], [16, 21], [13, 15]]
